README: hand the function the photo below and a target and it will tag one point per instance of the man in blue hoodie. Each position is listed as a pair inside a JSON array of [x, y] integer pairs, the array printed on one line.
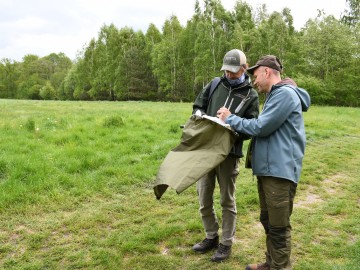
[[278, 148]]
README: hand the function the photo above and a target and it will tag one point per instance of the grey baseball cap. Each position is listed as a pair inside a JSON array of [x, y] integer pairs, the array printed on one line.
[[233, 60]]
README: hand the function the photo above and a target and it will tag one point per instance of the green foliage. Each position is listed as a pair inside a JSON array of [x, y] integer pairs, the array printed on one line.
[[34, 78], [47, 91], [352, 15], [9, 74], [165, 57], [316, 88], [176, 63]]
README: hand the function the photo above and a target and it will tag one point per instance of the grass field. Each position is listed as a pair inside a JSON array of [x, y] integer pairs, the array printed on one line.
[[76, 192]]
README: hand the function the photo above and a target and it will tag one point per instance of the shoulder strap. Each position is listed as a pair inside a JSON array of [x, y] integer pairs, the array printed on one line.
[[213, 85]]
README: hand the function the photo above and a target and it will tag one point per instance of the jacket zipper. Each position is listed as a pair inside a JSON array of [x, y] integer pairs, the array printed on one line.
[[227, 99]]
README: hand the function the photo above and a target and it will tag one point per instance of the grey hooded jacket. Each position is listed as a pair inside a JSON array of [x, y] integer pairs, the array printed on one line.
[[279, 133]]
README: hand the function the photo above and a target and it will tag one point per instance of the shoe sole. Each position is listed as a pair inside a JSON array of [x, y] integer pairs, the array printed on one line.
[[204, 251], [218, 260]]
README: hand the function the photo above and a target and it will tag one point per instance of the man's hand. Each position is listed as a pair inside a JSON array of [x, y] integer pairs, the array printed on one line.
[[223, 113]]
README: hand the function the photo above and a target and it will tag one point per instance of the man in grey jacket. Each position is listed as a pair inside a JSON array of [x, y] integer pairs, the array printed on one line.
[[277, 152]]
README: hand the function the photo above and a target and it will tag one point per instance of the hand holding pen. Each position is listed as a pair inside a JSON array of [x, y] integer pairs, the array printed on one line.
[[223, 113]]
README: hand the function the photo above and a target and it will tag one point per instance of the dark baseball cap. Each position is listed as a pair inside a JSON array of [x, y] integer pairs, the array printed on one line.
[[270, 61]]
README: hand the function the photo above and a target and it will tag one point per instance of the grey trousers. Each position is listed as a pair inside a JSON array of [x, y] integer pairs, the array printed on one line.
[[276, 203], [225, 174]]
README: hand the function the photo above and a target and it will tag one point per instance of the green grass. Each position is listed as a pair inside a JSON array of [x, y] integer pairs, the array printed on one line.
[[76, 190]]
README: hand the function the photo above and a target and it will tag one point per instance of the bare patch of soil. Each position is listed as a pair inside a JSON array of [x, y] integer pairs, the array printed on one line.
[[308, 199]]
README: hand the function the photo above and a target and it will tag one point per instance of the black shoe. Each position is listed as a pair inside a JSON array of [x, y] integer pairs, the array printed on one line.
[[222, 253], [206, 245]]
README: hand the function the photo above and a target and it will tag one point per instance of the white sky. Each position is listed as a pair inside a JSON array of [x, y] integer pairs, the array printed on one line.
[[42, 27]]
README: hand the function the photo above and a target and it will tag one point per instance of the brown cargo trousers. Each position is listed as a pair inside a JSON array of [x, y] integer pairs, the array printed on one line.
[[276, 204]]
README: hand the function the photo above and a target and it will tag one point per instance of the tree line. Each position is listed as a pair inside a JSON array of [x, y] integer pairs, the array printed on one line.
[[176, 62]]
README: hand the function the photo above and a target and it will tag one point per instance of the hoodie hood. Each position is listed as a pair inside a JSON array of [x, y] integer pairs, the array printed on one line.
[[288, 81], [302, 93], [304, 98]]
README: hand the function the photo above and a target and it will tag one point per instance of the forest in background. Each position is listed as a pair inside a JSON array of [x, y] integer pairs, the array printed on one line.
[[176, 62]]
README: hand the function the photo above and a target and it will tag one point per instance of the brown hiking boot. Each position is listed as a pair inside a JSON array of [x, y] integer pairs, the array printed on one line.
[[206, 245], [260, 266]]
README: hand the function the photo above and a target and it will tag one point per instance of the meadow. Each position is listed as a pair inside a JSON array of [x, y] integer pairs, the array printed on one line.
[[76, 190]]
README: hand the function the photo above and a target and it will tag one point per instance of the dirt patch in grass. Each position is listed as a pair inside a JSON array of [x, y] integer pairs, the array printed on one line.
[[308, 201], [333, 183], [308, 198]]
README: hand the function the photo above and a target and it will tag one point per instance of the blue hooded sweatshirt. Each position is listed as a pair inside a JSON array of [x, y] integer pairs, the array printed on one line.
[[279, 133]]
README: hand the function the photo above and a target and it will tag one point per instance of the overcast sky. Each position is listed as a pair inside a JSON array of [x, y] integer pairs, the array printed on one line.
[[42, 27]]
